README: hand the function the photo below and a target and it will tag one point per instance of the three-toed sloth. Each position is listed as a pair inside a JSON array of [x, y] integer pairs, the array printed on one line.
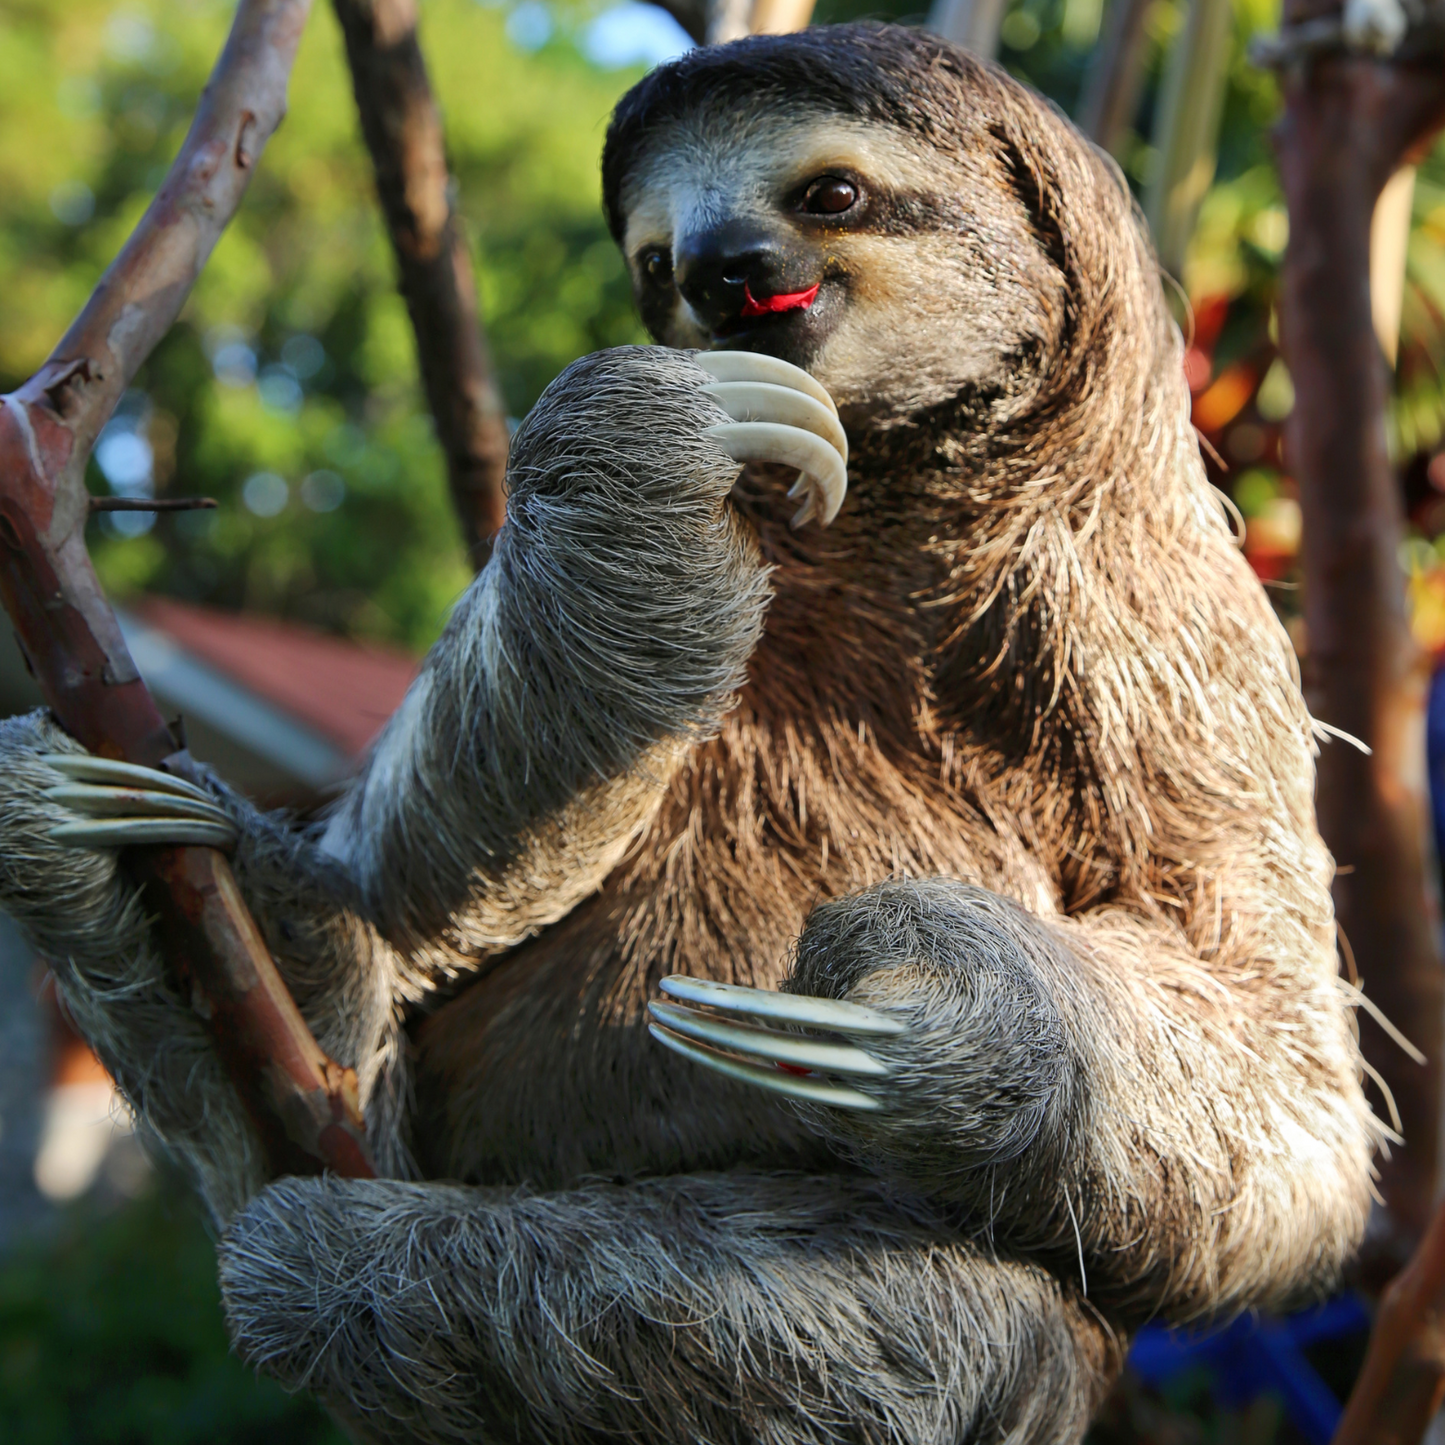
[[990, 799]]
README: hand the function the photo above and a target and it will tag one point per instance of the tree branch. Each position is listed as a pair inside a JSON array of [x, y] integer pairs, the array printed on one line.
[[1349, 121], [403, 131], [304, 1106], [1402, 1382]]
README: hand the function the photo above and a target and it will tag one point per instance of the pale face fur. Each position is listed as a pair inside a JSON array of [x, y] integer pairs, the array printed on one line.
[[930, 282]]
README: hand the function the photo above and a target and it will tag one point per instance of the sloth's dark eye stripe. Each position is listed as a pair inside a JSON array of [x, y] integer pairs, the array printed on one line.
[[896, 213]]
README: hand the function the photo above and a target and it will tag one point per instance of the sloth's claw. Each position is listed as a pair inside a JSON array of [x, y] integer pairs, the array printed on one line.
[[142, 832], [796, 1049], [754, 366], [766, 441], [762, 401], [794, 1064], [118, 805], [95, 802], [760, 1003], [86, 768], [782, 415], [813, 1091]]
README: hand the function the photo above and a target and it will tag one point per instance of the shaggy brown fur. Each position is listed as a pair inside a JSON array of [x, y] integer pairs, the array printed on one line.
[[1017, 754]]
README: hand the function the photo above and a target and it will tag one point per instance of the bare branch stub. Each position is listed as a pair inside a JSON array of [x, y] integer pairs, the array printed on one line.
[[153, 504], [304, 1107], [403, 131]]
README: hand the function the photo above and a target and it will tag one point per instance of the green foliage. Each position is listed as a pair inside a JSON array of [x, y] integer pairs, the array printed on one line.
[[111, 1334], [111, 89]]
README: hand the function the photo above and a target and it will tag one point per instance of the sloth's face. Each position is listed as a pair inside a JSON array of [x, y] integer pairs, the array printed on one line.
[[897, 276]]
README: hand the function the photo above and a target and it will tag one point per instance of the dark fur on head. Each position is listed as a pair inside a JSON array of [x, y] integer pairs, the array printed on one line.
[[883, 74]]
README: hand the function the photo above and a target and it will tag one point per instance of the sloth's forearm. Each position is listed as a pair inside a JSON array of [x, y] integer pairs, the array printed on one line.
[[1228, 1154], [607, 633], [1091, 1088], [532, 750], [86, 919]]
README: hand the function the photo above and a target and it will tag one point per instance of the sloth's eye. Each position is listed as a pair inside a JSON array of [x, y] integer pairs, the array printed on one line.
[[829, 195], [657, 266]]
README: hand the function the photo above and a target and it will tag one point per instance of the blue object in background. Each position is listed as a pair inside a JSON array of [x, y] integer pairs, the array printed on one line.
[[1257, 1356], [1435, 756]]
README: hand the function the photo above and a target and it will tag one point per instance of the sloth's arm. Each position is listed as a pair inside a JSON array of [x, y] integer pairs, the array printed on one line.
[[610, 628], [1087, 1086], [792, 1309], [608, 632]]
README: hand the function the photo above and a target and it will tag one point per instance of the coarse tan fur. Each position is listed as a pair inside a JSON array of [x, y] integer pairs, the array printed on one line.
[[1013, 751]]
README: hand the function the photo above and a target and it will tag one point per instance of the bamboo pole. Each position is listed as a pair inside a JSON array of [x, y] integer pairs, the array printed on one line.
[[1115, 76], [973, 24]]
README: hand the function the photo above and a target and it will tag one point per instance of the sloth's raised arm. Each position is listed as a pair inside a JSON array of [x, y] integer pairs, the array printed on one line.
[[608, 632]]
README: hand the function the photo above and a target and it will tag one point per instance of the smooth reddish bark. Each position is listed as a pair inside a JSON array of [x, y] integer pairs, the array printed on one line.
[[304, 1106]]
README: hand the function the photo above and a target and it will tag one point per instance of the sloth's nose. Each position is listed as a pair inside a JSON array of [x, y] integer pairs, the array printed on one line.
[[717, 270]]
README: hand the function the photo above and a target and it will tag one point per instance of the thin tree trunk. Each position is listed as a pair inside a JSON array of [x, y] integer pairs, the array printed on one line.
[[1349, 121], [1186, 130], [403, 130], [1115, 76], [1402, 1382], [304, 1106]]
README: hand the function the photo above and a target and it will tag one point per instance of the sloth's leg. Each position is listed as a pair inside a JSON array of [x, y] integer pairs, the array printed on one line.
[[778, 1309], [608, 632], [1089, 1086]]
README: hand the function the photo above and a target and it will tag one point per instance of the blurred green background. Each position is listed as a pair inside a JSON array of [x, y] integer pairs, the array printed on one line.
[[288, 391]]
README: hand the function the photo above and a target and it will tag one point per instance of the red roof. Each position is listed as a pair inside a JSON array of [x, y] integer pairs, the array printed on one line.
[[343, 690]]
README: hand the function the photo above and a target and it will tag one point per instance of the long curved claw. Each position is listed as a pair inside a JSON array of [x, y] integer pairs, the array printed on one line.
[[84, 768], [795, 1049], [755, 366], [813, 1091], [761, 1003], [134, 832], [93, 802], [791, 1063], [762, 401], [119, 805], [781, 415]]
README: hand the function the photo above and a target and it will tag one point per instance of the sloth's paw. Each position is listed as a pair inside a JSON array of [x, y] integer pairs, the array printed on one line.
[[725, 1027], [117, 805], [781, 414]]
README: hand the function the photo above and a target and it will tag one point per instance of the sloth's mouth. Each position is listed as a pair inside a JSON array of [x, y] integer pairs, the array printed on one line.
[[783, 324], [775, 305]]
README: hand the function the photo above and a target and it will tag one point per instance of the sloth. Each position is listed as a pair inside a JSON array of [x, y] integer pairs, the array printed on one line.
[[814, 975]]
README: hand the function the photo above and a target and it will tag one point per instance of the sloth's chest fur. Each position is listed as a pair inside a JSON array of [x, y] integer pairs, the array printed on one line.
[[821, 783]]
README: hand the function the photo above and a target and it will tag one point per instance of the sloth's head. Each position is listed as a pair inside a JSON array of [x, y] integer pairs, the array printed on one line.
[[866, 201]]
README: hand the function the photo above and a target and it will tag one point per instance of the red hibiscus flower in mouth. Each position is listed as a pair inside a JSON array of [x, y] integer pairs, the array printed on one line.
[[773, 305]]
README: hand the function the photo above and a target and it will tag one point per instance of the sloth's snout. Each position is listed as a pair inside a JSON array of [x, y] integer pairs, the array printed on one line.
[[735, 270]]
